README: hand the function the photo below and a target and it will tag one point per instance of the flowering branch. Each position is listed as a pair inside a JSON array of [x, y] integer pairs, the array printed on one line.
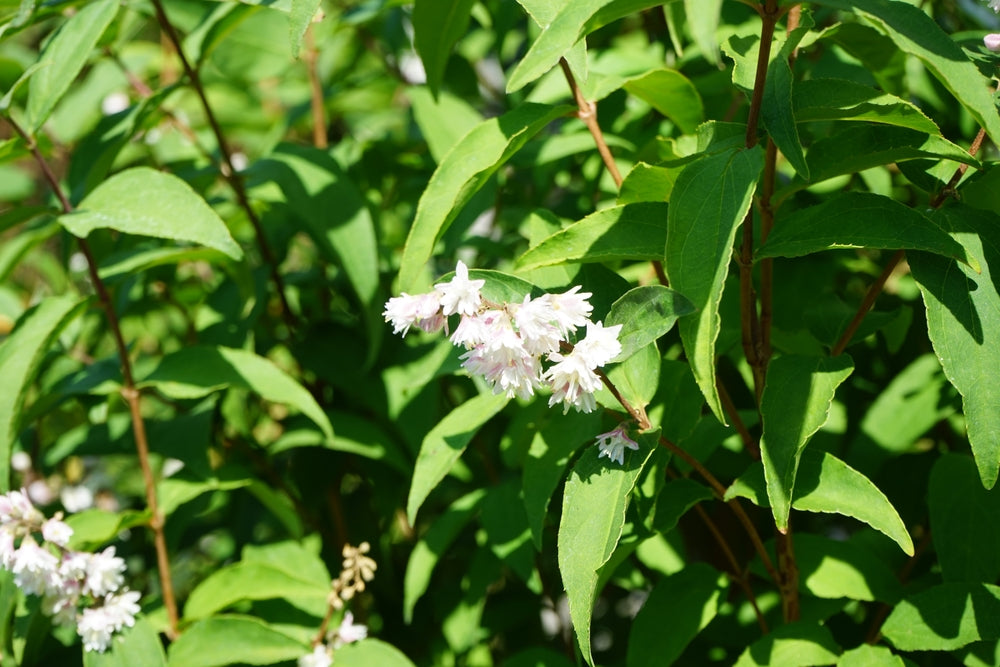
[[129, 391]]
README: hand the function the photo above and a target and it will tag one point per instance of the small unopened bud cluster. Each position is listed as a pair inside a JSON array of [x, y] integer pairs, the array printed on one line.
[[506, 343], [78, 589], [356, 571]]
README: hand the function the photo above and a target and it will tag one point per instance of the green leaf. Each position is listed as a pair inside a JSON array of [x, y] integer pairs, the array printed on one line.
[[702, 17], [21, 355], [574, 21], [645, 313], [862, 147], [446, 442], [594, 502], [300, 17], [197, 371], [464, 170], [254, 581], [185, 486], [25, 75], [232, 639], [93, 528], [965, 521], [138, 646], [826, 484], [437, 25], [685, 603], [830, 568], [332, 209], [859, 220], [506, 525], [963, 321], [672, 94], [778, 116], [648, 183], [870, 656], [137, 260], [917, 34], [798, 644], [369, 652], [708, 203], [945, 617], [432, 546], [632, 231], [795, 404], [64, 56], [842, 99], [636, 377], [148, 202], [554, 442], [443, 120], [674, 500]]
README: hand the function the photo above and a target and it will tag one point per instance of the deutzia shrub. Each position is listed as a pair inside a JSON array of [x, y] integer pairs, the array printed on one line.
[[79, 589], [517, 347]]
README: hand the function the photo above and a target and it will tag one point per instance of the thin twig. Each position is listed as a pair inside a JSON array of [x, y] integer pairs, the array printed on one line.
[[129, 392], [229, 172], [734, 416], [310, 56], [588, 114]]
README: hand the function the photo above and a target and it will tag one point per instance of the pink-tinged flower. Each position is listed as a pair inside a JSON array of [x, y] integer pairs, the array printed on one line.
[[573, 382], [57, 532], [535, 323], [480, 328], [505, 364], [613, 443], [570, 309], [95, 627], [600, 345], [7, 548], [105, 573], [992, 41], [460, 295], [349, 631], [34, 567], [16, 506], [422, 311]]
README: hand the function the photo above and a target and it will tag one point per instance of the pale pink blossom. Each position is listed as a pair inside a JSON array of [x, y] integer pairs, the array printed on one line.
[[320, 657], [34, 567], [992, 41], [349, 631], [57, 532], [460, 295], [613, 443], [571, 309], [573, 382], [422, 311], [535, 319]]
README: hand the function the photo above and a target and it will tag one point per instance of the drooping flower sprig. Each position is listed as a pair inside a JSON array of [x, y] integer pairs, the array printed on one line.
[[78, 589], [516, 347]]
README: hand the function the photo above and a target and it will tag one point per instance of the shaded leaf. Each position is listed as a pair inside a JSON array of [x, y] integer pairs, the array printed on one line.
[[254, 581], [965, 521], [197, 371], [300, 17], [138, 646], [648, 183], [672, 94], [371, 651], [708, 203], [437, 25], [685, 603], [147, 202], [842, 99], [645, 313], [20, 356], [675, 499], [945, 617], [462, 172], [446, 442], [830, 568], [443, 120]]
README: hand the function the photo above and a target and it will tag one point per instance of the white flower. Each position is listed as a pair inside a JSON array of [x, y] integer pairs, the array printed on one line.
[[476, 329], [600, 344], [534, 319], [995, 5], [570, 309], [61, 606], [349, 632], [460, 295], [76, 498], [506, 365], [104, 573], [16, 506], [121, 609], [613, 443], [422, 311], [7, 549], [95, 627], [34, 568], [320, 657], [57, 532], [992, 41], [573, 382]]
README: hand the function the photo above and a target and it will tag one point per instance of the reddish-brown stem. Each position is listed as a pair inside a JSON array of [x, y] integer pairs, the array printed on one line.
[[310, 56], [587, 112], [228, 171], [789, 584], [767, 264], [876, 288], [638, 414], [129, 392]]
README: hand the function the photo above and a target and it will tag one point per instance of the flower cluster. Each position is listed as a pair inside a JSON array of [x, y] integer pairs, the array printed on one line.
[[506, 343], [77, 588], [356, 571]]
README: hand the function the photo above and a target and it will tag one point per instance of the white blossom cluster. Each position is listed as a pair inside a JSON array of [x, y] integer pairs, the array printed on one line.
[[506, 343], [995, 5], [79, 589]]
